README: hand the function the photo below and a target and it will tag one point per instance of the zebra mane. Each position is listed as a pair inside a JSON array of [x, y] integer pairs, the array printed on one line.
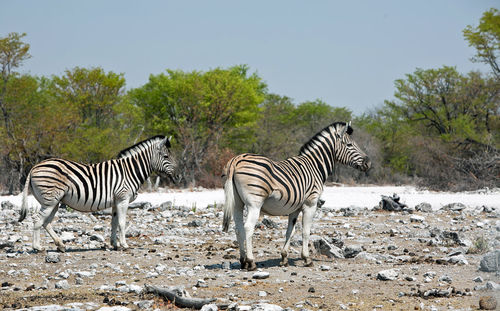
[[315, 137], [139, 146]]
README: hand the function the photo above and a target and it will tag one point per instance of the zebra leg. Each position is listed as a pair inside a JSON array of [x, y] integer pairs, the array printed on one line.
[[307, 219], [40, 219], [48, 227], [240, 232], [121, 210], [37, 224], [252, 217], [292, 220], [114, 227]]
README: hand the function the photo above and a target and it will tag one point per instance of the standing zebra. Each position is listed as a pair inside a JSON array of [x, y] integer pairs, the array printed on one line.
[[286, 187], [88, 188]]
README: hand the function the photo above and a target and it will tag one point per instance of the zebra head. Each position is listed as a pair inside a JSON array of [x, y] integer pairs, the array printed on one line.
[[163, 161], [347, 151]]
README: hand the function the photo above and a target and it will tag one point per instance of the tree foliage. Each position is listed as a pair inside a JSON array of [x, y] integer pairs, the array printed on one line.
[[485, 38], [203, 111]]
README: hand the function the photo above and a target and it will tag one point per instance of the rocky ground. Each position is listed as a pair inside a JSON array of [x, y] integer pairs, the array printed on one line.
[[364, 259]]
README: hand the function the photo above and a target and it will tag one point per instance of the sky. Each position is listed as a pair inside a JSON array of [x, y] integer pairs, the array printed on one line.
[[345, 53]]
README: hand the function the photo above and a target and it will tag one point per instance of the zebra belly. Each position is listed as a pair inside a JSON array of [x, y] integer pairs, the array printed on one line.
[[276, 207], [89, 206]]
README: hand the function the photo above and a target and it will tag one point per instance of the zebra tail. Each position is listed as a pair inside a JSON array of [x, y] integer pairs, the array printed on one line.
[[228, 203], [24, 205]]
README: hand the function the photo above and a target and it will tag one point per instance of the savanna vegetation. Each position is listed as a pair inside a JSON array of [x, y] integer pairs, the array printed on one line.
[[441, 130]]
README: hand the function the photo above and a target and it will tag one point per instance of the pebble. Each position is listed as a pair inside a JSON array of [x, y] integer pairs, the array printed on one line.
[[487, 303], [265, 307], [210, 307], [387, 275], [417, 218], [260, 275], [490, 262], [352, 251], [52, 257], [62, 284], [445, 278]]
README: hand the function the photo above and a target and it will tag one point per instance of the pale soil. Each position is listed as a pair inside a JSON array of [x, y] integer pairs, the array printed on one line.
[[198, 253]]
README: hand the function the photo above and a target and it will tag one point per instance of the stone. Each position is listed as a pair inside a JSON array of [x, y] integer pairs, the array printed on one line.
[[387, 275], [323, 247], [456, 207], [210, 307], [445, 278], [260, 275], [144, 304], [67, 236], [487, 303], [478, 279], [195, 223], [325, 268], [97, 237], [490, 262], [165, 205], [492, 286], [352, 251], [63, 284], [269, 223], [424, 207], [262, 293], [457, 260], [392, 203], [266, 307], [140, 205], [350, 211], [52, 257], [417, 218], [7, 205]]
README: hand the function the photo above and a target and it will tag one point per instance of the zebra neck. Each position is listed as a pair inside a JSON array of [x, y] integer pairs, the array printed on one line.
[[140, 168], [319, 166], [322, 157]]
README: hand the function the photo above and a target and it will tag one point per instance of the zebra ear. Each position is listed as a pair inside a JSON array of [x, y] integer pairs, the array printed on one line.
[[166, 141], [343, 130]]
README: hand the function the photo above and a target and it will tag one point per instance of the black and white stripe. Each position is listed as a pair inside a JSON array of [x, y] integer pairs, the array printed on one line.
[[93, 187], [286, 187]]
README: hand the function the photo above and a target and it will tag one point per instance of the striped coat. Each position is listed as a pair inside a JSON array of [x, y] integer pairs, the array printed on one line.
[[93, 187], [286, 187]]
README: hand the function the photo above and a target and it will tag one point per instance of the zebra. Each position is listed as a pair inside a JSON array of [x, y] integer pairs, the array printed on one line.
[[93, 187], [286, 187]]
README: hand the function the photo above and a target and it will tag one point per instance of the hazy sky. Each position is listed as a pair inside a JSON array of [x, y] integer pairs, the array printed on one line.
[[346, 53]]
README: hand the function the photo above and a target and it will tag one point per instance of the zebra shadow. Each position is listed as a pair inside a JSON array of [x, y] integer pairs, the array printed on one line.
[[268, 263], [73, 250]]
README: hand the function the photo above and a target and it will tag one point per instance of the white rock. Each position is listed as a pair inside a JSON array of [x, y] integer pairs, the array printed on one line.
[[387, 275], [417, 218], [260, 275]]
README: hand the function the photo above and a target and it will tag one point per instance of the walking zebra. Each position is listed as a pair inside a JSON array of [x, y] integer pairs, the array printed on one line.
[[286, 187], [87, 188]]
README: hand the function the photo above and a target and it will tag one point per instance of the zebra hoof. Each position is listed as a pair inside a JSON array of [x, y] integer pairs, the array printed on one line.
[[284, 263], [308, 262], [251, 266], [61, 249]]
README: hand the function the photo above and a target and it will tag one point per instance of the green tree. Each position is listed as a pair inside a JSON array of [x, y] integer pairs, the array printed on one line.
[[13, 52], [312, 116], [275, 129], [95, 101], [485, 38], [203, 111]]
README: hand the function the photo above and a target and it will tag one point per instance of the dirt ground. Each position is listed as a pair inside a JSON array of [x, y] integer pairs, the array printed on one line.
[[177, 251]]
